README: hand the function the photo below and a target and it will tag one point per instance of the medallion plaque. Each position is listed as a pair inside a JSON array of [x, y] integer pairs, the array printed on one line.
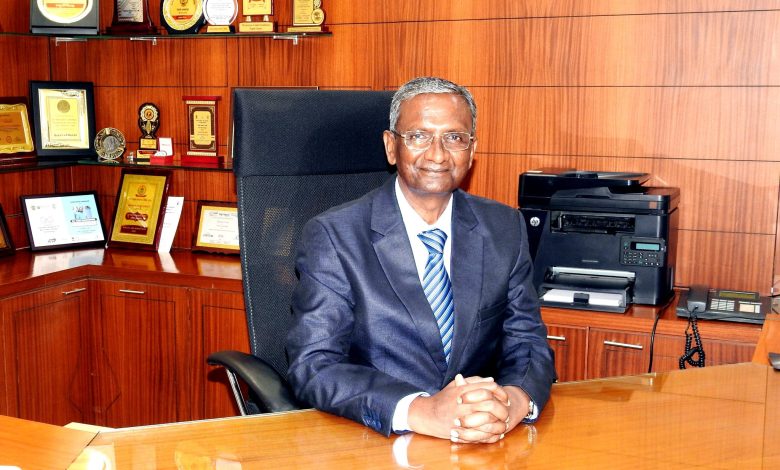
[[220, 15], [182, 16], [64, 17]]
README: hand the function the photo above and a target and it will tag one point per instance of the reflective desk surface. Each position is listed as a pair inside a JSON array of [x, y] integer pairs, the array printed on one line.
[[715, 417]]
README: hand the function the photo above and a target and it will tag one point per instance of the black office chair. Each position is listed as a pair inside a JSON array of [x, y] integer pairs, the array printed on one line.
[[296, 153]]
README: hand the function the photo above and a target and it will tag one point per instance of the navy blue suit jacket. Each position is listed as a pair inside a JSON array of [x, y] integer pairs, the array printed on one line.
[[363, 333]]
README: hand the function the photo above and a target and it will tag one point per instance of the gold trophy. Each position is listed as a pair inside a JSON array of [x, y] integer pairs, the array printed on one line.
[[264, 8], [308, 17], [148, 122]]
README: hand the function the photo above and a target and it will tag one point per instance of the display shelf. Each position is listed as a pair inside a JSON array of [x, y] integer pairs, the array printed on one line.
[[153, 38]]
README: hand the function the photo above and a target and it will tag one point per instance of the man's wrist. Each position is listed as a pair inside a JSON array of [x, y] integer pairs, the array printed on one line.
[[401, 413]]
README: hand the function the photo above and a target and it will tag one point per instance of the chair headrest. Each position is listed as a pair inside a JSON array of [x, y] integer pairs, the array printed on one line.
[[309, 132]]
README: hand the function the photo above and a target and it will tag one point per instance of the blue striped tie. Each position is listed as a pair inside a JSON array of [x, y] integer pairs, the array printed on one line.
[[437, 287]]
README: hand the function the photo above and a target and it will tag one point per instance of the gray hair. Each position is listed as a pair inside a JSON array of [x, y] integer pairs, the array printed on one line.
[[423, 85]]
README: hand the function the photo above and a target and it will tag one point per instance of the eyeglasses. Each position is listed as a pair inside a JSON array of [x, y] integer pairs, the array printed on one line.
[[421, 140]]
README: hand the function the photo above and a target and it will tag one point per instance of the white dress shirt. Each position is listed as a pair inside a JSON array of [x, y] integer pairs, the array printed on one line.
[[414, 225]]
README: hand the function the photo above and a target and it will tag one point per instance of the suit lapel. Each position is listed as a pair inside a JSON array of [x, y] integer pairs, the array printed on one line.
[[394, 252], [466, 275]]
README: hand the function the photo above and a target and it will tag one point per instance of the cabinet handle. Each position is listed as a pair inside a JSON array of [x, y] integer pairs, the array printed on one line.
[[623, 345], [128, 291], [556, 338], [74, 291]]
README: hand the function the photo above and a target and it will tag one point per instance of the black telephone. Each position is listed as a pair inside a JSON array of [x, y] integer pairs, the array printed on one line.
[[723, 304]]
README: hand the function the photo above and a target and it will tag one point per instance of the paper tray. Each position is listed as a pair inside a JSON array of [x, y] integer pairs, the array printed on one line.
[[615, 301]]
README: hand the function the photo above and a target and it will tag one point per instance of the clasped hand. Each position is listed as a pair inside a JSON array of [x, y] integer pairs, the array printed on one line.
[[469, 410]]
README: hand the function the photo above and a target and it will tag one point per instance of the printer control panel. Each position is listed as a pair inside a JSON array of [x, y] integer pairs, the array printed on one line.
[[636, 251]]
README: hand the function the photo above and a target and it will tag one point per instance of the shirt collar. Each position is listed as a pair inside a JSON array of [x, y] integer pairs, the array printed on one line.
[[412, 220]]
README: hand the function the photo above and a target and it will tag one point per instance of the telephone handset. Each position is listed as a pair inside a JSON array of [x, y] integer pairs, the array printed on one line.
[[695, 304], [697, 299]]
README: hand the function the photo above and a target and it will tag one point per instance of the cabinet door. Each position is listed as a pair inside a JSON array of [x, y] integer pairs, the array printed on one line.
[[568, 343], [220, 323], [669, 348], [142, 332], [612, 353], [46, 357]]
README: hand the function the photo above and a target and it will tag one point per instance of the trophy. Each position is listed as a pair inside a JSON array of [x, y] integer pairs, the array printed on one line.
[[220, 15], [131, 17], [308, 17], [149, 122], [263, 8]]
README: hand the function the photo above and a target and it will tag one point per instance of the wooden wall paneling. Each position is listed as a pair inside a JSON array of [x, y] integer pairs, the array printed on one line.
[[29, 57], [172, 62], [16, 16], [729, 123], [723, 196], [637, 50], [18, 183], [357, 11], [725, 260]]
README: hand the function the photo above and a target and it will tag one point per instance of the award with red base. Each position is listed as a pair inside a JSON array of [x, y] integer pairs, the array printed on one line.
[[202, 131]]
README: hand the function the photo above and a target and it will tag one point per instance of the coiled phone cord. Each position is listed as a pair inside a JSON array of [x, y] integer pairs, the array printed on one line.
[[687, 357]]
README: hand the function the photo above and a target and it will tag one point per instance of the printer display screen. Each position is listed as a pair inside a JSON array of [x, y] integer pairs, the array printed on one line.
[[646, 246]]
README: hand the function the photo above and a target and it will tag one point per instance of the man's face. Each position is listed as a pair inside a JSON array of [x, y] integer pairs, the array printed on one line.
[[435, 171]]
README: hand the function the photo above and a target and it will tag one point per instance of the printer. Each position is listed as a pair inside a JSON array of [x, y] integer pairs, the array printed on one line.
[[599, 240]]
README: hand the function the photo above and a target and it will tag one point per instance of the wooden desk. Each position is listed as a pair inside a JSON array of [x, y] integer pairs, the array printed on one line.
[[31, 445], [716, 417]]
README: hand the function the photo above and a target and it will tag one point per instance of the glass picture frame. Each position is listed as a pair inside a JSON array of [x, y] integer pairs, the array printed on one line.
[[63, 220], [216, 229], [64, 119]]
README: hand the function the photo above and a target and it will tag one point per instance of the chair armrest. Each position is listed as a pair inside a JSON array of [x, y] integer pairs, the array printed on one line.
[[265, 384]]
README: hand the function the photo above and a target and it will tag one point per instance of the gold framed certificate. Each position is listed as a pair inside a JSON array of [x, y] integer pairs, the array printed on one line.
[[16, 140], [64, 117], [217, 228], [6, 244], [138, 212]]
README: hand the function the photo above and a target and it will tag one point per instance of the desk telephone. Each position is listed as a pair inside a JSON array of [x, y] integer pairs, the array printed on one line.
[[722, 304]]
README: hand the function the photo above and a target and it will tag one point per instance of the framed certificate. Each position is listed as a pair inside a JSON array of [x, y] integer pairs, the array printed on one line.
[[63, 220], [16, 140], [6, 244], [138, 213], [217, 228], [64, 117]]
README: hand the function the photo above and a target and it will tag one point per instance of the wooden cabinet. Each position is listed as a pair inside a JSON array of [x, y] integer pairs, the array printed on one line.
[[219, 323], [591, 345], [612, 352], [142, 336], [569, 344], [44, 355]]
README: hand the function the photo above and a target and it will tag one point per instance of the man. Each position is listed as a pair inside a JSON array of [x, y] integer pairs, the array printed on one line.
[[416, 285]]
